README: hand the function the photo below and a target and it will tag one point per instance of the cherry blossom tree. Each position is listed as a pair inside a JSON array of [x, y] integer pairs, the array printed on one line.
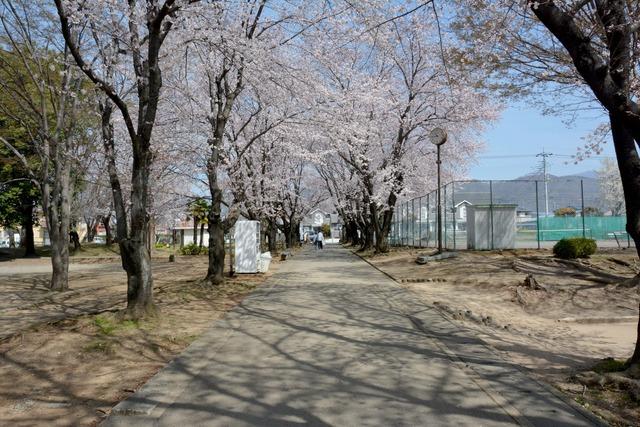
[[585, 52], [610, 185], [240, 63], [47, 98], [388, 90], [139, 30]]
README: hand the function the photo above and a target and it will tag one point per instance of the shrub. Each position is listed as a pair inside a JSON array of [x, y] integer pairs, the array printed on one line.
[[568, 211], [576, 247], [162, 245], [591, 211], [193, 249]]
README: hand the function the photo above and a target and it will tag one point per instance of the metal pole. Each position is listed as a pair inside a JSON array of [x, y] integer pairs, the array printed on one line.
[[428, 221], [439, 206], [398, 219], [402, 210], [537, 217], [396, 223], [420, 221], [413, 222], [395, 226], [453, 209], [582, 201], [406, 223], [491, 210], [392, 229], [444, 208]]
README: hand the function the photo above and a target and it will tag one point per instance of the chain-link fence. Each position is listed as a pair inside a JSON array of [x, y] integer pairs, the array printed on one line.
[[546, 211]]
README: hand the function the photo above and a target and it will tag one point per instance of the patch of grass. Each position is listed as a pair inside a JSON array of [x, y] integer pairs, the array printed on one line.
[[99, 345], [129, 324], [609, 365], [105, 325], [108, 326]]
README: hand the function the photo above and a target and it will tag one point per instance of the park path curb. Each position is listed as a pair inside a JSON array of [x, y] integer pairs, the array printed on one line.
[[152, 397], [477, 377]]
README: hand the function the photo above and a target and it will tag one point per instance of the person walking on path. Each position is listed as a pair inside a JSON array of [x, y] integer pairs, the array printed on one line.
[[320, 239]]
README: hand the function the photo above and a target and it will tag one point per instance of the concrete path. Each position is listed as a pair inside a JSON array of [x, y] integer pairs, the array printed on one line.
[[331, 341]]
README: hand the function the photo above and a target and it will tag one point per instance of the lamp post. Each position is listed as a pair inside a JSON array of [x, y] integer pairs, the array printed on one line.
[[438, 137]]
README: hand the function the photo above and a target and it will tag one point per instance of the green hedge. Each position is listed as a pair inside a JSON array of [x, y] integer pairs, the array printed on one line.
[[193, 249], [576, 247]]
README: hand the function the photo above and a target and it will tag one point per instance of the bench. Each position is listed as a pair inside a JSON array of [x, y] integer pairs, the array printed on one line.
[[616, 234]]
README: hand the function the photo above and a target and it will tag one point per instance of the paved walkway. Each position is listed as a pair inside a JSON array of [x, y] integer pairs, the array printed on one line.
[[331, 341]]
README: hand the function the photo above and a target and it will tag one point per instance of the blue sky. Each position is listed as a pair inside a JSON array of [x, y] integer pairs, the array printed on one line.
[[524, 131]]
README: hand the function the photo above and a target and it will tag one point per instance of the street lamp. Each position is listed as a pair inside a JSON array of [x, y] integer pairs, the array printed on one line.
[[438, 137]]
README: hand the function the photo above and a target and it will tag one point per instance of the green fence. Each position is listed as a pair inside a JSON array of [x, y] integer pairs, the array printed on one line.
[[595, 227], [415, 220]]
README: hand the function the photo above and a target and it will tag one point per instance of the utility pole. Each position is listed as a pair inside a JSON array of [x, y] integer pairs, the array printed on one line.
[[544, 156]]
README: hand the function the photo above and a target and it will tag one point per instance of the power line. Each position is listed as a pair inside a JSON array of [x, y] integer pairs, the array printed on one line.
[[515, 156]]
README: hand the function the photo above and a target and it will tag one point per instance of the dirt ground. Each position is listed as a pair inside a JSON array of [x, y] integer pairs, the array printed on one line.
[[66, 359], [559, 325]]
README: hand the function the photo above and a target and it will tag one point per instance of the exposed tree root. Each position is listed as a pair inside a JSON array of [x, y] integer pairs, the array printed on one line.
[[616, 380], [630, 283], [137, 312], [531, 282]]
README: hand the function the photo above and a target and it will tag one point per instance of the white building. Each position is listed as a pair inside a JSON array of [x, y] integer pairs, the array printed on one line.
[[314, 221]]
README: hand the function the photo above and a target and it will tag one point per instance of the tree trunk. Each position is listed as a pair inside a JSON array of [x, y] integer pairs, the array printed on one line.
[[27, 226], [57, 206], [264, 231], [201, 233], [367, 238], [286, 227], [629, 166], [92, 228], [195, 231], [136, 261], [634, 360], [106, 221], [136, 257], [151, 234], [292, 236], [216, 236], [382, 231], [273, 233], [352, 233], [382, 243], [114, 180], [59, 261]]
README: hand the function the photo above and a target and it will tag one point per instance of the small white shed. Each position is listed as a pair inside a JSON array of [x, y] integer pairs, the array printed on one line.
[[247, 246], [491, 227]]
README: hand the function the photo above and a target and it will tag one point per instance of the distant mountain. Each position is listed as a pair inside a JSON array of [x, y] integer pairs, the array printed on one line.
[[538, 176], [561, 191], [587, 174]]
